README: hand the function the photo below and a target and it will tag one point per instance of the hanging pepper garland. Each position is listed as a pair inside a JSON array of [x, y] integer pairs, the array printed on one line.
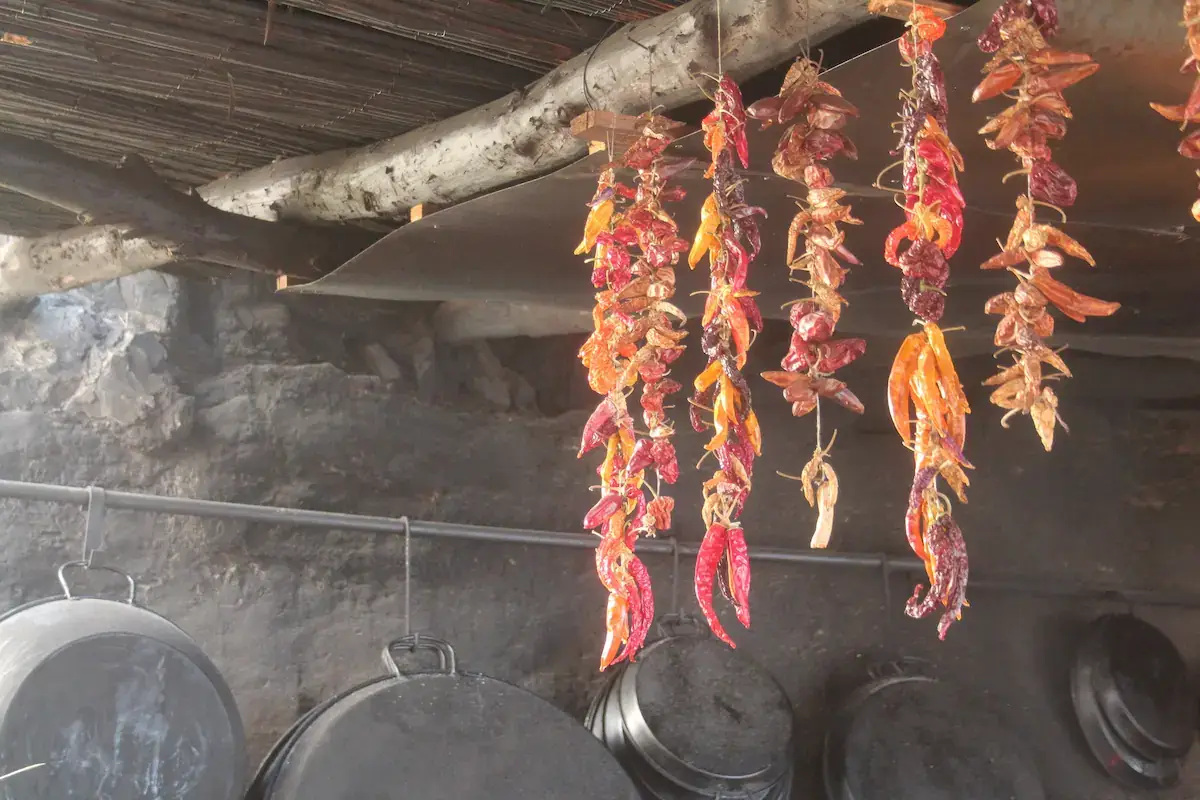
[[1189, 147], [1034, 75], [814, 113], [923, 382], [634, 337], [729, 235]]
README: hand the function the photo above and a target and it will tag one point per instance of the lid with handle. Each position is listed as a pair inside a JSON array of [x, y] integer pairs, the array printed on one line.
[[911, 737], [1143, 685], [445, 733], [104, 698], [700, 711]]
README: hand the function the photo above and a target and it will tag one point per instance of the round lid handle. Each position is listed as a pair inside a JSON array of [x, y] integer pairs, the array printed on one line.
[[66, 586], [683, 624], [447, 661]]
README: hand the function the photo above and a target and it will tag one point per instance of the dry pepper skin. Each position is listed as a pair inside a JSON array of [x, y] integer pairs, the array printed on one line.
[[1036, 76], [707, 562], [1189, 112], [903, 367], [738, 556]]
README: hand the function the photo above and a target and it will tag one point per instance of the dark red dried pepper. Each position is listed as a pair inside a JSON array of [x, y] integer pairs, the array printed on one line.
[[602, 511], [1051, 184], [738, 557], [948, 552], [643, 617], [707, 562]]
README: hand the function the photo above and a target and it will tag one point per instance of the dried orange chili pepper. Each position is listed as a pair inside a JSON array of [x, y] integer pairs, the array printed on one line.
[[1034, 74], [814, 113], [925, 396]]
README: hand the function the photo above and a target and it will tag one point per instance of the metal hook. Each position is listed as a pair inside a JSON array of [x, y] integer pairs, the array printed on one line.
[[675, 576], [93, 527], [408, 580]]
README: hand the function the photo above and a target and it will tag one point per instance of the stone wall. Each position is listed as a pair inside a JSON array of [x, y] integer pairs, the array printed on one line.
[[227, 391]]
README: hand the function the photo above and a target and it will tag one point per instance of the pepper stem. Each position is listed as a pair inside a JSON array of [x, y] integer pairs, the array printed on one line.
[[885, 171], [1061, 213]]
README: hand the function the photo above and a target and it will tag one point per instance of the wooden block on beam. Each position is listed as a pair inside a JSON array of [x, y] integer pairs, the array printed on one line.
[[420, 210], [620, 129], [900, 9], [281, 282]]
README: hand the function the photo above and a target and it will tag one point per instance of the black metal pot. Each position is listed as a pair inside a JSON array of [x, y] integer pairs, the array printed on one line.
[[438, 734], [693, 719], [911, 737], [1134, 706], [114, 701], [1143, 687]]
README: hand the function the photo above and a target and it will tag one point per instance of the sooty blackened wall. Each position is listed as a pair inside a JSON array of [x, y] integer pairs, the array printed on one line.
[[227, 392]]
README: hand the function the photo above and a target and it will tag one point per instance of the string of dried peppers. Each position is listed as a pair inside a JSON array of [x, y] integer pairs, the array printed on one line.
[[1034, 76], [814, 113], [1189, 147], [729, 235], [923, 381], [635, 336]]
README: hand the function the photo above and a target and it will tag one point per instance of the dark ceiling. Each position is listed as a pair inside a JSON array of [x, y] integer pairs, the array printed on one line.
[[191, 86]]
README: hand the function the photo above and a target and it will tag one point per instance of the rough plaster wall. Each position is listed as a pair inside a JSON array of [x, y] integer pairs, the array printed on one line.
[[227, 392]]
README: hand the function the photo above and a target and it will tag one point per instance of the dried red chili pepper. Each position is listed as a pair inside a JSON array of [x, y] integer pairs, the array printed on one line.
[[600, 513], [948, 553], [815, 327], [722, 403], [738, 556], [635, 338], [1043, 13], [660, 509], [1051, 184], [840, 353], [815, 114], [644, 617], [707, 562], [600, 426]]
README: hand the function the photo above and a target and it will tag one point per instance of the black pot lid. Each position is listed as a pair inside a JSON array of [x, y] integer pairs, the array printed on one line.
[[1112, 753], [1144, 687], [114, 702], [447, 736], [914, 738], [712, 707]]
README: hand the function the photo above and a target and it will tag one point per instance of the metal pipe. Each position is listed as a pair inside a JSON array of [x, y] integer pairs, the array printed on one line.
[[272, 515]]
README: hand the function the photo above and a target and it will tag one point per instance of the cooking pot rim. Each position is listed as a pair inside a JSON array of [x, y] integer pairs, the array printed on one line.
[[835, 736], [1128, 768], [446, 673], [653, 750], [69, 595], [118, 619], [1111, 701]]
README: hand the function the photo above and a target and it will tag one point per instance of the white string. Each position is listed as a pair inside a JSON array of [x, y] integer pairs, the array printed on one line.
[[720, 69], [806, 49], [818, 423]]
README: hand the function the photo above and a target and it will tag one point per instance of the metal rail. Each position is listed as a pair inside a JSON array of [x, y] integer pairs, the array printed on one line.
[[272, 515]]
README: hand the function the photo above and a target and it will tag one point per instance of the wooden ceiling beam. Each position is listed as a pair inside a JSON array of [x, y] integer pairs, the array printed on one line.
[[521, 136]]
